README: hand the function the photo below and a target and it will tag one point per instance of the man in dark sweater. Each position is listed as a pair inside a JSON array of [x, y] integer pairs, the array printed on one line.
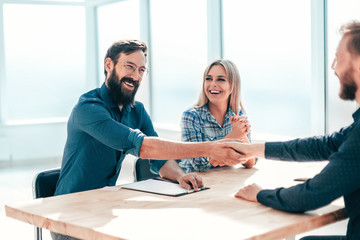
[[341, 176]]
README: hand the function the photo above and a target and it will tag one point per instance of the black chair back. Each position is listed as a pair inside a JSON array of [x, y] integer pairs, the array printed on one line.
[[142, 170], [44, 185]]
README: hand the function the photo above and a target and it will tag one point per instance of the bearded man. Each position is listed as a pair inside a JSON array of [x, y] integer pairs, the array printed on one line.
[[107, 124], [341, 176]]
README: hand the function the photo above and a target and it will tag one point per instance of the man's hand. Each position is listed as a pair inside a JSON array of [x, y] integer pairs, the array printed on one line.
[[223, 153], [245, 152], [249, 192], [172, 171], [240, 129], [190, 181]]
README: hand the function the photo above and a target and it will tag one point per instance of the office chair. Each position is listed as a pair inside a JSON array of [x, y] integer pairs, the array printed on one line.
[[142, 170], [44, 185]]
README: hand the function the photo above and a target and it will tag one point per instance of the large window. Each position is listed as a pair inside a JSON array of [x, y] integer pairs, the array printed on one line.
[[339, 112], [117, 21], [44, 60], [270, 41], [179, 56], [49, 60]]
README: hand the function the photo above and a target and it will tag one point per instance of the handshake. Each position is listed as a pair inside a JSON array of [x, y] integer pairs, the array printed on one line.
[[231, 152]]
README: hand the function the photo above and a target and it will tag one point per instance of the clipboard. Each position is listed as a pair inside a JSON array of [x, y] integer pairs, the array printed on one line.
[[160, 186]]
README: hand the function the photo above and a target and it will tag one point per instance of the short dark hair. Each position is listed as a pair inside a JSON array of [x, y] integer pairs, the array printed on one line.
[[353, 30], [124, 46]]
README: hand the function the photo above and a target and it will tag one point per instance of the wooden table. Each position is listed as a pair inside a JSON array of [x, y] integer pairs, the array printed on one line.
[[114, 213]]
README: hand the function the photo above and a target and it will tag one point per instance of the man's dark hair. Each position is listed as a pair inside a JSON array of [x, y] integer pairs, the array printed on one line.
[[124, 46], [352, 29]]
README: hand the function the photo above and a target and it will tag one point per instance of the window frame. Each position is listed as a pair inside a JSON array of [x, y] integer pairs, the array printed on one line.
[[319, 51]]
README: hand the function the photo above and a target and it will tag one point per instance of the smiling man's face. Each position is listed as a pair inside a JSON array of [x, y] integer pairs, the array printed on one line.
[[344, 66], [124, 77]]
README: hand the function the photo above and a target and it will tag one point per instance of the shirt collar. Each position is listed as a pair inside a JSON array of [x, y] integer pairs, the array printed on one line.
[[356, 115], [104, 93], [206, 113]]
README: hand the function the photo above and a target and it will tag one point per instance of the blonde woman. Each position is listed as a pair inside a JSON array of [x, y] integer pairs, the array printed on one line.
[[218, 113]]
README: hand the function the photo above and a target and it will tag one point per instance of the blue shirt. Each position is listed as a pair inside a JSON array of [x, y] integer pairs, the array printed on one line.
[[198, 125], [99, 136], [340, 177]]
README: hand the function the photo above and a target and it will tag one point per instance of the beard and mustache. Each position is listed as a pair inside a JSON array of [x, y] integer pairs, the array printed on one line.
[[348, 87], [119, 94]]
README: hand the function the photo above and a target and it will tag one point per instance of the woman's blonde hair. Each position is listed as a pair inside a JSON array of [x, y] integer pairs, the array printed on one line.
[[234, 80]]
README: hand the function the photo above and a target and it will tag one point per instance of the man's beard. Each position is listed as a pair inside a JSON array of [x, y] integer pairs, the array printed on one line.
[[121, 95], [348, 87]]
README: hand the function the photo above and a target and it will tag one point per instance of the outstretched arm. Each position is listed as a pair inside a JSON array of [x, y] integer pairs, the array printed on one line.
[[222, 150], [246, 150], [339, 178]]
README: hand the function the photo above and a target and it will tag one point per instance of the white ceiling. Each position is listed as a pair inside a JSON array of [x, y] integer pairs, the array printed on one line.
[[62, 2]]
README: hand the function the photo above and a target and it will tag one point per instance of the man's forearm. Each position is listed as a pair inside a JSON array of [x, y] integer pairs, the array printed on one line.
[[171, 170], [258, 150], [157, 148], [221, 150], [250, 150]]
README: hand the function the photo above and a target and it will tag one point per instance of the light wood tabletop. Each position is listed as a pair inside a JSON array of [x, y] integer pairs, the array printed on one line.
[[115, 213]]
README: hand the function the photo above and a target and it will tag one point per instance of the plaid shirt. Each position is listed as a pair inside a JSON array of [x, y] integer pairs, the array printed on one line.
[[198, 125]]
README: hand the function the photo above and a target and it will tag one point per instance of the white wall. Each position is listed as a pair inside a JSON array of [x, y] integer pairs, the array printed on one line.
[[31, 143]]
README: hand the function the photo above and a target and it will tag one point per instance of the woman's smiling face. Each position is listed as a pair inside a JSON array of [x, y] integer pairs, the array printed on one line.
[[217, 86]]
